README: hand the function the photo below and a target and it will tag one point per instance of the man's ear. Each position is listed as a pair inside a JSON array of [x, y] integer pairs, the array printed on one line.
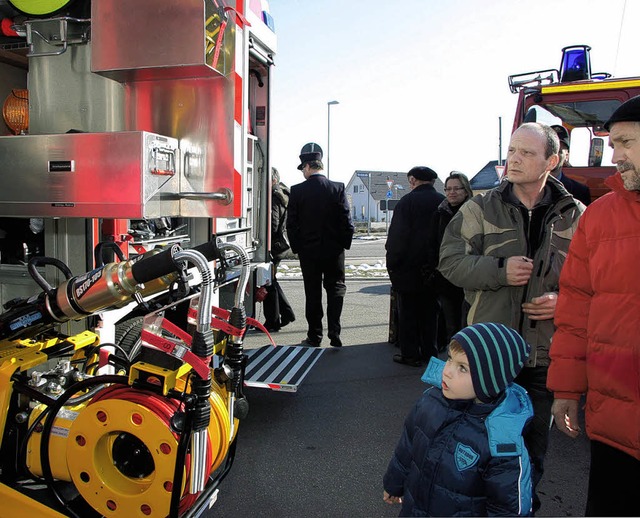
[[553, 162]]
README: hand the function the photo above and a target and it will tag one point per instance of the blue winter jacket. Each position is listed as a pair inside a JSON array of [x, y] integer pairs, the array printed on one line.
[[459, 458]]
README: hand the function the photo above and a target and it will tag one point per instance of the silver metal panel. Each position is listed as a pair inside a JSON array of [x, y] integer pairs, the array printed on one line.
[[64, 95], [159, 39], [98, 175], [283, 367], [200, 114]]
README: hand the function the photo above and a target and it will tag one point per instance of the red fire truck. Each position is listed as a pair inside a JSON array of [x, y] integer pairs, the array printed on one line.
[[581, 101], [129, 124]]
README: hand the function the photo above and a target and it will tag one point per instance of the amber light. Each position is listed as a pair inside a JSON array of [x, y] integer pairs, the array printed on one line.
[[15, 111]]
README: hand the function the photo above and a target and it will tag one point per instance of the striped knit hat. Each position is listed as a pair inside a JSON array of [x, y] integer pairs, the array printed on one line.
[[496, 354]]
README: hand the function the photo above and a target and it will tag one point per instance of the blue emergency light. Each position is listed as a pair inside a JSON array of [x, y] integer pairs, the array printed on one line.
[[576, 63]]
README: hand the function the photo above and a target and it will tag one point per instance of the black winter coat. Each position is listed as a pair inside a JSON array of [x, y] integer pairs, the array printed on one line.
[[441, 219], [279, 202], [408, 238]]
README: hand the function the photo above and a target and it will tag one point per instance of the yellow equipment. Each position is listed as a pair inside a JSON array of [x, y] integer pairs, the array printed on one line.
[[152, 437]]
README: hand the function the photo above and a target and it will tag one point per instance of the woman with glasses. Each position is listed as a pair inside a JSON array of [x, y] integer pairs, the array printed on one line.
[[453, 315]]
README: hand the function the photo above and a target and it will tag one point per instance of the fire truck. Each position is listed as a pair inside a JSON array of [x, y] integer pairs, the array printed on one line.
[[134, 191], [580, 100]]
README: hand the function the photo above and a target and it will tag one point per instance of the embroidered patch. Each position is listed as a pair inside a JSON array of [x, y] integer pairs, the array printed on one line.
[[465, 457]]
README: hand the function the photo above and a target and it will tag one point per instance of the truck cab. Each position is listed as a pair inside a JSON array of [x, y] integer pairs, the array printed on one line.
[[581, 101]]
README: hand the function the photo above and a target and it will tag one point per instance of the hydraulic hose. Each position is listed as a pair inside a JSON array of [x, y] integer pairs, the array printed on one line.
[[110, 286], [201, 346]]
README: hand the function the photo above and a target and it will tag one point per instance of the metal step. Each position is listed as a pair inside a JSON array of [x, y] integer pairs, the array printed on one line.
[[282, 367]]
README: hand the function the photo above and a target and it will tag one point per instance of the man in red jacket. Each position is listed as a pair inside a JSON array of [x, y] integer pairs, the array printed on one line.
[[596, 349]]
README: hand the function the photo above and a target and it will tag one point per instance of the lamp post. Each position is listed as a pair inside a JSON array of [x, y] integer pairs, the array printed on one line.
[[329, 105]]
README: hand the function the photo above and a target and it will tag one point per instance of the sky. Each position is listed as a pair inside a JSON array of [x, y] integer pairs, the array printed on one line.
[[424, 82]]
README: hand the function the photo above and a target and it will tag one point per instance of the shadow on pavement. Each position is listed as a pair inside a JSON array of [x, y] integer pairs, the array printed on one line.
[[323, 450]]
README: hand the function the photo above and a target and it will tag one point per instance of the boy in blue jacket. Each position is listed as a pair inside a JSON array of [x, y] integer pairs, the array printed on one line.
[[461, 452]]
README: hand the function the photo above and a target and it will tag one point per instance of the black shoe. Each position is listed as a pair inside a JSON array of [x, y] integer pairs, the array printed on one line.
[[285, 321], [272, 328], [309, 343], [412, 362], [336, 342]]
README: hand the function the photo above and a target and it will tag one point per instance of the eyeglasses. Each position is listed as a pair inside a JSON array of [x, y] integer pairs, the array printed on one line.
[[453, 189]]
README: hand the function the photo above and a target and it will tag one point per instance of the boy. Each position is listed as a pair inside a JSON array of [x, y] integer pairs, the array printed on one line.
[[461, 452]]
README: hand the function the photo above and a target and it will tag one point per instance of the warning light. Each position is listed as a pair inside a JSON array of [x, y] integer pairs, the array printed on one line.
[[576, 63], [15, 110]]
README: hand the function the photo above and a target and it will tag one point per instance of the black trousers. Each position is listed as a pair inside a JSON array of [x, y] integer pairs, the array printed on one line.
[[319, 272], [276, 306], [536, 436], [614, 482], [453, 315], [417, 324]]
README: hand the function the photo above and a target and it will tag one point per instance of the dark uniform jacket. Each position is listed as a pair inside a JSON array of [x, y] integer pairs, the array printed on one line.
[[319, 219]]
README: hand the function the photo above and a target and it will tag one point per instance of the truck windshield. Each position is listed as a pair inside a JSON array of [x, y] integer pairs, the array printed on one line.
[[584, 113], [584, 120]]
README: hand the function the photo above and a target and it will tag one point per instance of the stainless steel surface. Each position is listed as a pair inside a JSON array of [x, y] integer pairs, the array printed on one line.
[[64, 95], [158, 47], [160, 39], [100, 175], [57, 34], [200, 114]]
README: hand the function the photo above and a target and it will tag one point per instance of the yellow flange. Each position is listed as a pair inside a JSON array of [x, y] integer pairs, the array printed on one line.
[[100, 477]]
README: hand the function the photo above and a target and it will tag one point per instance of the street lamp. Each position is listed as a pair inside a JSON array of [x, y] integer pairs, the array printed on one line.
[[329, 105]]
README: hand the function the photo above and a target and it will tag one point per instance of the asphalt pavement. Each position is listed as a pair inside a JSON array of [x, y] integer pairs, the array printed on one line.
[[322, 451]]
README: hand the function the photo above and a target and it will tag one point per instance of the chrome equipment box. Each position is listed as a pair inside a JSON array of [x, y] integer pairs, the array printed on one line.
[[126, 174]]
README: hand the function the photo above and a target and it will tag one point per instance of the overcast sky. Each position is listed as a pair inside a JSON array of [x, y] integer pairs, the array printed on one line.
[[424, 82]]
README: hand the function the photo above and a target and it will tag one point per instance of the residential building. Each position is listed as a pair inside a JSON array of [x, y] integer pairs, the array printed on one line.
[[370, 191]]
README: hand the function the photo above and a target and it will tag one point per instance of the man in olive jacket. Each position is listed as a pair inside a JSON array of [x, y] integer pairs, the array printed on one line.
[[506, 249]]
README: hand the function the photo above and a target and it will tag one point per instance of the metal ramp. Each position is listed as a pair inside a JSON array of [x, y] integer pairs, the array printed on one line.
[[282, 367]]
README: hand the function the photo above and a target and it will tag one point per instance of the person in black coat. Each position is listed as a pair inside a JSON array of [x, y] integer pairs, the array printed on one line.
[[319, 227], [578, 190], [453, 316], [277, 310], [408, 263]]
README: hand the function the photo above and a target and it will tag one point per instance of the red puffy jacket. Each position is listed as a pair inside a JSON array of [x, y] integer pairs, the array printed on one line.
[[596, 347]]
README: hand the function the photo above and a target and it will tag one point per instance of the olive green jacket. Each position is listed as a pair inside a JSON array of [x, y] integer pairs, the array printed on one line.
[[487, 230]]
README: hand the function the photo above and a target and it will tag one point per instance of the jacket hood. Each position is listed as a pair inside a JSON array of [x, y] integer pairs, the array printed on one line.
[[505, 424], [508, 416], [281, 192]]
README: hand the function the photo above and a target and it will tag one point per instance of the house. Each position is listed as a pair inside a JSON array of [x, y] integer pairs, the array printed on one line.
[[487, 178], [369, 191]]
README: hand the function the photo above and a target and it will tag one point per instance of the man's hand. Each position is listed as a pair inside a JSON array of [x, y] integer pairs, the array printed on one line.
[[519, 269], [391, 499], [565, 414], [542, 307]]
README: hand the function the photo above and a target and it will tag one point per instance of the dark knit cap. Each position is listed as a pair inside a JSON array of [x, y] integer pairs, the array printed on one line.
[[628, 111], [423, 173], [563, 134], [496, 354], [310, 152]]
